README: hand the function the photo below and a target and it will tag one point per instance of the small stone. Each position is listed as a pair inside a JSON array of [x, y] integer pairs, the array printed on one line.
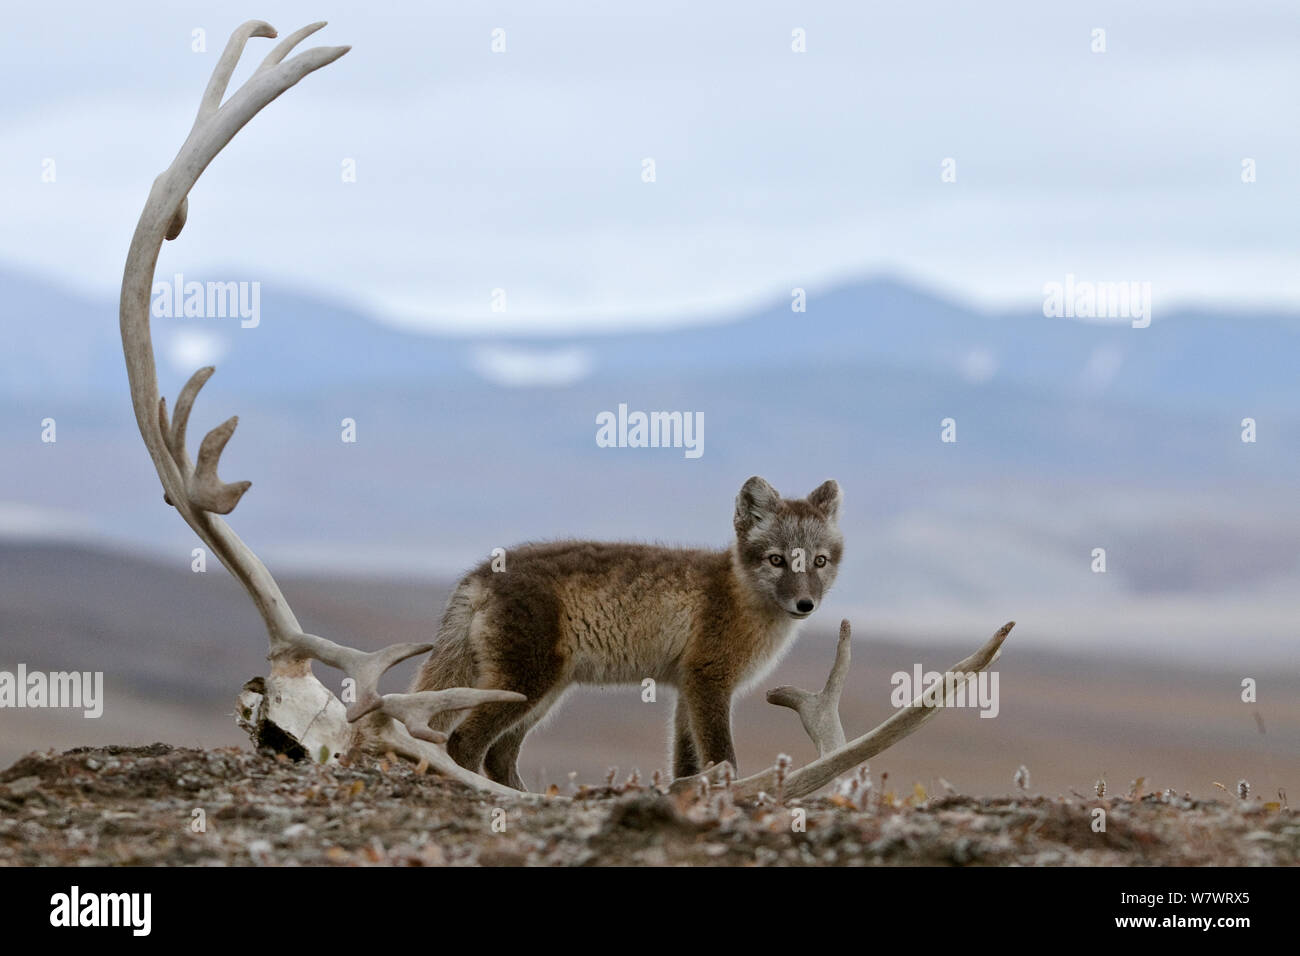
[[23, 785]]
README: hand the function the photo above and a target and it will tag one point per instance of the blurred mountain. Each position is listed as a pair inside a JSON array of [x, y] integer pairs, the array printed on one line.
[[1070, 436], [61, 345]]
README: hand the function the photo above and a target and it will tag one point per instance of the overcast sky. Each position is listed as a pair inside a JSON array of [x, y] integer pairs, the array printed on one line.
[[522, 170]]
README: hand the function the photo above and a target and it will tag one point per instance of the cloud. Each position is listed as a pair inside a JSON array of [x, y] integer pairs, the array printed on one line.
[[978, 366], [521, 170], [1101, 368], [190, 349], [516, 367]]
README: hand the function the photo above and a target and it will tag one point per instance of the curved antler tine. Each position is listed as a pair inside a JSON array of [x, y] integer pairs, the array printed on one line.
[[184, 404], [802, 702], [287, 44], [415, 711], [840, 669], [789, 696], [308, 61], [206, 490], [216, 88], [364, 667], [820, 713]]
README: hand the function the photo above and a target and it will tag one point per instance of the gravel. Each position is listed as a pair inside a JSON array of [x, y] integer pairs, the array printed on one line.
[[167, 806]]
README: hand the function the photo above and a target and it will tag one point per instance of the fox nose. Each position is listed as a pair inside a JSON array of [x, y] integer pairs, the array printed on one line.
[[804, 605]]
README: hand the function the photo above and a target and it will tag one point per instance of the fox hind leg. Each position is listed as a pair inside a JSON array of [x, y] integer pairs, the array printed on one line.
[[492, 733], [471, 740], [514, 641], [501, 763]]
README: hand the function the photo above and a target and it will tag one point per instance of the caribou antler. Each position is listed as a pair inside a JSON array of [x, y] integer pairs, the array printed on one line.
[[820, 716], [820, 713], [290, 700]]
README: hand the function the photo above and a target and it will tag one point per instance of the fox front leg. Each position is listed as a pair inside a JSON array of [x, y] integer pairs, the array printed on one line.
[[708, 705], [686, 761]]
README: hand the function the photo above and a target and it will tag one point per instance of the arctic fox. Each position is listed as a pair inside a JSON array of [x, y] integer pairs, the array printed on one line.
[[708, 623]]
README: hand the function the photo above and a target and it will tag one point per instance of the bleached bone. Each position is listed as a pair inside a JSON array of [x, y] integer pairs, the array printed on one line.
[[416, 711], [290, 705], [365, 668], [813, 776], [820, 712]]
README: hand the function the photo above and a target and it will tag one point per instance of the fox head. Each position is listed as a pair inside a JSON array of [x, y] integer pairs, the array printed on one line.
[[788, 549]]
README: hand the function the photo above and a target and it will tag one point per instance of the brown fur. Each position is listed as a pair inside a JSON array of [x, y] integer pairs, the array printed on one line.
[[578, 612]]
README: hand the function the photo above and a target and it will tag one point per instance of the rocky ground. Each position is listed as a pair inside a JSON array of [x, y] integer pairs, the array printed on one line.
[[161, 805]]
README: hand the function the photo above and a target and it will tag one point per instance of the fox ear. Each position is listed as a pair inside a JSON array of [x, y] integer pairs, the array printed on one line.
[[826, 499], [757, 500]]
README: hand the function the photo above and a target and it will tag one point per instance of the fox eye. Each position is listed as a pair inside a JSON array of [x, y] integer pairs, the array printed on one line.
[[777, 560], [819, 561]]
